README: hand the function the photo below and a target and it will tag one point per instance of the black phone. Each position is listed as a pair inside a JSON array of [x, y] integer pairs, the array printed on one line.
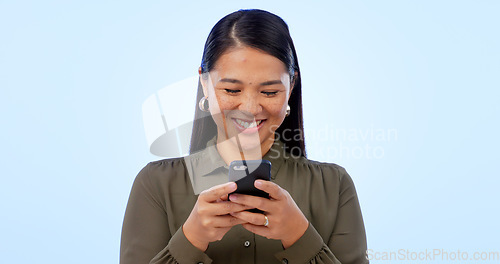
[[245, 172]]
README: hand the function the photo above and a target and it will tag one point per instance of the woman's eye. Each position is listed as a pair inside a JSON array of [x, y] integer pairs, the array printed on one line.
[[231, 91], [270, 93]]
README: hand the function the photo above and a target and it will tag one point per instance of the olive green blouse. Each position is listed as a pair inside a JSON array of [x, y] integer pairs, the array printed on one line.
[[165, 191]]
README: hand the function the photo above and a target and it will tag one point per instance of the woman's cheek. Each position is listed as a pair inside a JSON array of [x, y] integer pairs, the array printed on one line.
[[218, 104], [278, 108], [225, 103]]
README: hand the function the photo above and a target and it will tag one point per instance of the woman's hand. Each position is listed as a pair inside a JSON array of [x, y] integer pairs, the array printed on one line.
[[286, 222], [210, 218]]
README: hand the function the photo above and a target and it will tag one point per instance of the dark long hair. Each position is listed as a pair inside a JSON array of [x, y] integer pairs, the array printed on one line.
[[269, 33]]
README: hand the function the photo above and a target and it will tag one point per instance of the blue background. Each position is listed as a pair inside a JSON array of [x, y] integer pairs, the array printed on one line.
[[73, 77]]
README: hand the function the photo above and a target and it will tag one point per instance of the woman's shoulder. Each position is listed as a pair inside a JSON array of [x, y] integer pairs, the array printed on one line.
[[319, 168], [162, 166], [162, 172], [166, 163]]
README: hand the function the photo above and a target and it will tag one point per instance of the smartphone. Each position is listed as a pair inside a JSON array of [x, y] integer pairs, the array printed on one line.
[[245, 172]]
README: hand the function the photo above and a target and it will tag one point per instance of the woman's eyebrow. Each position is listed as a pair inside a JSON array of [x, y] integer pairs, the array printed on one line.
[[229, 80], [271, 82]]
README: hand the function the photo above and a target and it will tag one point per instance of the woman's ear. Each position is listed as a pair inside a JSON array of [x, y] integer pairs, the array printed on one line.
[[292, 83], [203, 81]]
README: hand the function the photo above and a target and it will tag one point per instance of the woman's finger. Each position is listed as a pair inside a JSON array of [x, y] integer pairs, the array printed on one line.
[[263, 204], [217, 191], [274, 190], [222, 221], [252, 218], [225, 207]]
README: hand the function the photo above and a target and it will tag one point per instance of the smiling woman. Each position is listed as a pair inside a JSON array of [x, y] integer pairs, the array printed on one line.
[[251, 32], [183, 210]]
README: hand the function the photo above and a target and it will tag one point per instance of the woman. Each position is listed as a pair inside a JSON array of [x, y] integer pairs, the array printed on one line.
[[249, 108]]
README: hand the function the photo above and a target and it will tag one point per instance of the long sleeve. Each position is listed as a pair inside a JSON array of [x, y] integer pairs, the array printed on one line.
[[348, 239], [347, 243], [180, 250], [146, 233], [310, 248]]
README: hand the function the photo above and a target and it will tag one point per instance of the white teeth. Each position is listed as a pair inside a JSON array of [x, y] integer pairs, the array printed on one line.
[[246, 124]]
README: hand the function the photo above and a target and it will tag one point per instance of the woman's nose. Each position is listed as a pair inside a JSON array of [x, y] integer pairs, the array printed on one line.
[[251, 105]]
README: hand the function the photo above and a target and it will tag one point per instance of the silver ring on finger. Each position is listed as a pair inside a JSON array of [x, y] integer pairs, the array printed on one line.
[[267, 221]]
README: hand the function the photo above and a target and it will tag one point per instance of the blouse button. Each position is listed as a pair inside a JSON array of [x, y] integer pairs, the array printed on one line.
[[247, 243], [284, 261]]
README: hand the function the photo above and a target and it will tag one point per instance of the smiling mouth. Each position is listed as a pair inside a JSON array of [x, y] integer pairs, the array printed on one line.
[[248, 125]]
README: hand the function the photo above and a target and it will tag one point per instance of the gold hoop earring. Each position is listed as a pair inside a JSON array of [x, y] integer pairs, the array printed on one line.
[[203, 104], [287, 110]]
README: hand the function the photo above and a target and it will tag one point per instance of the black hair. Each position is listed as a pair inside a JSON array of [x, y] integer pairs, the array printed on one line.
[[269, 33]]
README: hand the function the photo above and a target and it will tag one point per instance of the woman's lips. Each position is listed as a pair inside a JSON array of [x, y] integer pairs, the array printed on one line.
[[248, 126]]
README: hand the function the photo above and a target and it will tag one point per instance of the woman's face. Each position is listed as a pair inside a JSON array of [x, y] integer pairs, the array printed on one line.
[[248, 93]]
